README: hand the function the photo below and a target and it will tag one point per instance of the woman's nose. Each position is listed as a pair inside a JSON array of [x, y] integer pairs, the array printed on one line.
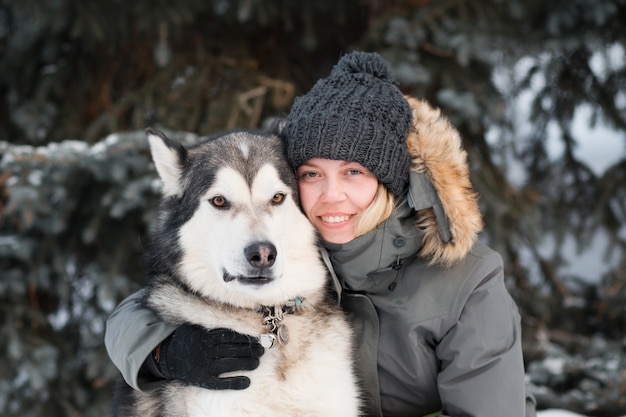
[[333, 192]]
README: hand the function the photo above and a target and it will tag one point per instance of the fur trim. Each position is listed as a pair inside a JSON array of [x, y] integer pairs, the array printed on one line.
[[436, 150]]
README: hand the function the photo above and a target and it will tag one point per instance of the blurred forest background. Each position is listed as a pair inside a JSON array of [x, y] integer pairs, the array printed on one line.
[[537, 89]]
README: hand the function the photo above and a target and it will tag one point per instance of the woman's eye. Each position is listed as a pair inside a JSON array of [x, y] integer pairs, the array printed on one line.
[[353, 172], [278, 198], [308, 174], [219, 201]]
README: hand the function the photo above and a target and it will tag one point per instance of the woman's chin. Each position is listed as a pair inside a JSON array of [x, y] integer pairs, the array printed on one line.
[[337, 237]]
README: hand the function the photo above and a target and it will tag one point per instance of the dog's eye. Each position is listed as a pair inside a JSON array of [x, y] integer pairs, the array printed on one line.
[[219, 201], [278, 198]]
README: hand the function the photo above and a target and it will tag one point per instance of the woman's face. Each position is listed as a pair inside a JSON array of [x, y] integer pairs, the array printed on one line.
[[333, 194]]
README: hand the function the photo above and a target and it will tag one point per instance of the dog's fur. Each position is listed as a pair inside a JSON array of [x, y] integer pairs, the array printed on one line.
[[220, 199]]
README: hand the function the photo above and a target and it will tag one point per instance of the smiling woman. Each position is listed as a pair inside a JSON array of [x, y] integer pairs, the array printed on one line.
[[334, 195]]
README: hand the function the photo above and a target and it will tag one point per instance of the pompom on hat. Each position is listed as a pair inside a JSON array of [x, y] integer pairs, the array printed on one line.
[[355, 114]]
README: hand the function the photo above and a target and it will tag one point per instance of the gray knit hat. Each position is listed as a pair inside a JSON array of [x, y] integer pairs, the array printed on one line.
[[355, 114]]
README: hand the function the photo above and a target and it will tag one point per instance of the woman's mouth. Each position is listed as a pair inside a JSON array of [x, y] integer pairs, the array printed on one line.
[[335, 219]]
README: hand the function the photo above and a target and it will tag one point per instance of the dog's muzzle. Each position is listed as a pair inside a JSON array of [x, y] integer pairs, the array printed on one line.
[[261, 257]]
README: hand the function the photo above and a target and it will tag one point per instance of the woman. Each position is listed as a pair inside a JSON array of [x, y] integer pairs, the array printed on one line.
[[384, 179]]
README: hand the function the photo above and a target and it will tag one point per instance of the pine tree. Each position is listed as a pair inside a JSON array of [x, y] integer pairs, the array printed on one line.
[[80, 81]]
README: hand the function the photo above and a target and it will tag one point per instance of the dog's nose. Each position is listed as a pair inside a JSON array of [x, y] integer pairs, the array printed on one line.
[[261, 254]]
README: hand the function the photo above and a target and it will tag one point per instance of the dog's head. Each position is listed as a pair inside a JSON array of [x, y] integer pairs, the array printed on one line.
[[230, 226]]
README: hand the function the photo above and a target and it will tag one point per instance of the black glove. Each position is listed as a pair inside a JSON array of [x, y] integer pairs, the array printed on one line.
[[198, 356]]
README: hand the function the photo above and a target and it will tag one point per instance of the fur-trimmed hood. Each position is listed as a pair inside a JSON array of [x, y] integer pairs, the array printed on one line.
[[440, 190]]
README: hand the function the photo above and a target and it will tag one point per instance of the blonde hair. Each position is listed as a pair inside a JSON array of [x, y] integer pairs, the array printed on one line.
[[377, 212]]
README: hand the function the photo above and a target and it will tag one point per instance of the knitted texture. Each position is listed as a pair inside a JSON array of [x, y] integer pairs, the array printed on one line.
[[355, 114]]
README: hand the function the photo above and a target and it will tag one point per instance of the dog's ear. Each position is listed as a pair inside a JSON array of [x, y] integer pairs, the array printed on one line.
[[277, 126], [169, 158]]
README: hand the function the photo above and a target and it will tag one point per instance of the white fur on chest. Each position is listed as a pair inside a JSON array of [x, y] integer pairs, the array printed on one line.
[[311, 375]]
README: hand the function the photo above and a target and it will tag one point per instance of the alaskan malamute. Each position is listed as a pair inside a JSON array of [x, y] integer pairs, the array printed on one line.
[[232, 249]]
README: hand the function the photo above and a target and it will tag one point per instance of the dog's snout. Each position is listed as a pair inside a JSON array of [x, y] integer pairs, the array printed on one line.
[[261, 254]]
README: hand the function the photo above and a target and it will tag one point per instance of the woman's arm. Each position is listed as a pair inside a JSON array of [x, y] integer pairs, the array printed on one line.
[[482, 368], [132, 332]]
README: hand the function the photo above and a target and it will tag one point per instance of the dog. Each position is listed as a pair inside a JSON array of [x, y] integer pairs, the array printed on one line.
[[233, 249]]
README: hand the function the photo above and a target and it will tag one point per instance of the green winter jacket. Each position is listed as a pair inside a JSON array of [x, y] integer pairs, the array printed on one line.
[[464, 354], [422, 276], [437, 330]]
